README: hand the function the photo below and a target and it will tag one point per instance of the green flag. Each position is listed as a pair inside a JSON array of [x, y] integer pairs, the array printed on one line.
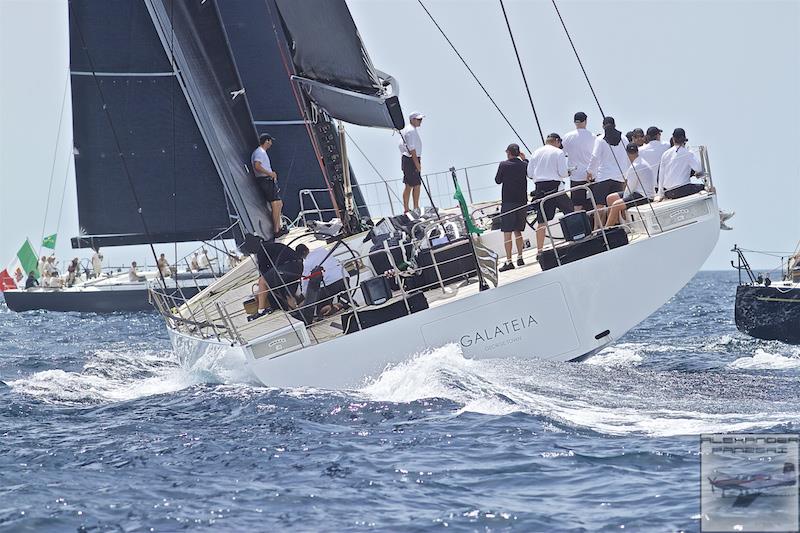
[[471, 227], [49, 242], [27, 258]]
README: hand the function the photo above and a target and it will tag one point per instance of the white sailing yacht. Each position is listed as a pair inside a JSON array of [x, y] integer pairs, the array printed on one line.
[[564, 305]]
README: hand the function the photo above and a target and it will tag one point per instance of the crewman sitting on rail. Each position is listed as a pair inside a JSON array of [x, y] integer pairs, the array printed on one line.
[[31, 282], [678, 164], [133, 275], [641, 182]]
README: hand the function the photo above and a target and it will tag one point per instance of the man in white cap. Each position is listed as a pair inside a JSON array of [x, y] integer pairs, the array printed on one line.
[[411, 162]]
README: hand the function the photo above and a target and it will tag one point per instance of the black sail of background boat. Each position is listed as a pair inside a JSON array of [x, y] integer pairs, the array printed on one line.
[[768, 308], [168, 98]]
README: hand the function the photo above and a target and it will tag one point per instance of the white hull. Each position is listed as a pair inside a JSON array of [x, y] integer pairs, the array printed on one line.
[[563, 314]]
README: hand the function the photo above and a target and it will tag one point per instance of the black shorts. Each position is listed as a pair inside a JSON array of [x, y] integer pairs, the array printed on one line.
[[684, 190], [579, 197], [514, 220], [634, 199], [547, 209], [601, 190], [272, 192], [411, 176]]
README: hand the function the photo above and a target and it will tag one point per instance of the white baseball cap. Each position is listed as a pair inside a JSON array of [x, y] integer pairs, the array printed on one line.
[[416, 114]]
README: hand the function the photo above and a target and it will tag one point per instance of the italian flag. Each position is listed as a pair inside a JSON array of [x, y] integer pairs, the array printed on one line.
[[26, 261]]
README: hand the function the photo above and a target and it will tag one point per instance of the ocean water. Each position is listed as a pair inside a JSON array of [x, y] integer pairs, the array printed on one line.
[[100, 430]]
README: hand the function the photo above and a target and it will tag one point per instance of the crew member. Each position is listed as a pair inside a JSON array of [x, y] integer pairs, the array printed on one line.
[[637, 137], [677, 165], [578, 145], [512, 175], [411, 161], [281, 269], [133, 274], [31, 282], [608, 163], [163, 266], [268, 181], [651, 152], [547, 168], [641, 182], [97, 263]]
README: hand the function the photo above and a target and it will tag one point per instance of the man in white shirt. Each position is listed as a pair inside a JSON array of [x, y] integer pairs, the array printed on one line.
[[411, 161], [547, 168], [578, 145], [97, 263], [653, 149], [641, 182], [608, 163], [133, 273], [268, 181], [677, 165]]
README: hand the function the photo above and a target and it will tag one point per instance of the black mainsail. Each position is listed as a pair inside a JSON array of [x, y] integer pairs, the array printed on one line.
[[122, 76]]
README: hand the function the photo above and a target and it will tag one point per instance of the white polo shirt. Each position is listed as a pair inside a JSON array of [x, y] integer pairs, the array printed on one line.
[[547, 163], [641, 178], [608, 162], [651, 154], [676, 165], [412, 139], [260, 155], [333, 270], [578, 144]]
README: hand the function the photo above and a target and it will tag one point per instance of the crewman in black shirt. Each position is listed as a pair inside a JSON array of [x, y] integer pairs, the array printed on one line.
[[512, 175]]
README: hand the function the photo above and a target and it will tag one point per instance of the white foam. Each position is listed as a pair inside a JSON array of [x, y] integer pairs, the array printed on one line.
[[558, 392], [625, 354], [764, 360]]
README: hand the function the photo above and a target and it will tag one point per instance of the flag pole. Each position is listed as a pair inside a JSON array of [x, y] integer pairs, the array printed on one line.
[[470, 228]]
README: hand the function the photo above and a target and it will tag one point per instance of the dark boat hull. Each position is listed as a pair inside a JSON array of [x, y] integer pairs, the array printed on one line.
[[768, 313], [84, 302]]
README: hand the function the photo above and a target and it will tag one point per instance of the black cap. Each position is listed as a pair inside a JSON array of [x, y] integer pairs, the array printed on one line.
[[609, 121], [638, 132], [679, 134], [264, 137], [580, 116], [652, 131], [555, 136], [632, 148]]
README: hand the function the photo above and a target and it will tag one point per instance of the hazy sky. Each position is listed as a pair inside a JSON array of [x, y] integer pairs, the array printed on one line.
[[728, 72]]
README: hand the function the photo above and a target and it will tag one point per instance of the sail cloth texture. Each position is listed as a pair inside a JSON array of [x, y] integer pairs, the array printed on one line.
[[274, 104], [170, 169], [333, 67], [193, 33]]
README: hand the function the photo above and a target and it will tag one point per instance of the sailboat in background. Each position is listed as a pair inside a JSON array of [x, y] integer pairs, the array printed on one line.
[[419, 292], [150, 168]]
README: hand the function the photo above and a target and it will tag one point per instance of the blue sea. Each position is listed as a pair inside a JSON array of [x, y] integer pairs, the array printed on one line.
[[101, 430]]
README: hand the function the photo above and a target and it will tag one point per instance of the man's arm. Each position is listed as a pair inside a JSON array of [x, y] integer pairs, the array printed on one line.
[[498, 178], [562, 166], [416, 160], [594, 162]]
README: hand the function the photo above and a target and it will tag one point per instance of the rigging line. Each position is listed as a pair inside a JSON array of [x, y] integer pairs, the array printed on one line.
[[578, 57], [174, 147], [522, 71], [396, 196], [53, 168], [70, 159], [117, 144], [486, 92]]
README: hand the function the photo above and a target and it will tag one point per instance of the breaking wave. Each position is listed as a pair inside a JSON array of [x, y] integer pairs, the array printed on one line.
[[612, 395]]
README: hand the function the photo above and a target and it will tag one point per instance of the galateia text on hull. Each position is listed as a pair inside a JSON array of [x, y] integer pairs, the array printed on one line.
[[501, 330]]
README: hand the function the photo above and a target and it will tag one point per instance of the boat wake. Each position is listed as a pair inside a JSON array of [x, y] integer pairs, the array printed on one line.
[[767, 360], [613, 395], [110, 376]]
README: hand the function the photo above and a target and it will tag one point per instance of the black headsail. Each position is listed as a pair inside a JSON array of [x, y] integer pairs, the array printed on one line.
[[322, 52], [118, 61]]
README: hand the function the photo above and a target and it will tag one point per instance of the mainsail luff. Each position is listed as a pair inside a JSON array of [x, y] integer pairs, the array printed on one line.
[[194, 34]]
